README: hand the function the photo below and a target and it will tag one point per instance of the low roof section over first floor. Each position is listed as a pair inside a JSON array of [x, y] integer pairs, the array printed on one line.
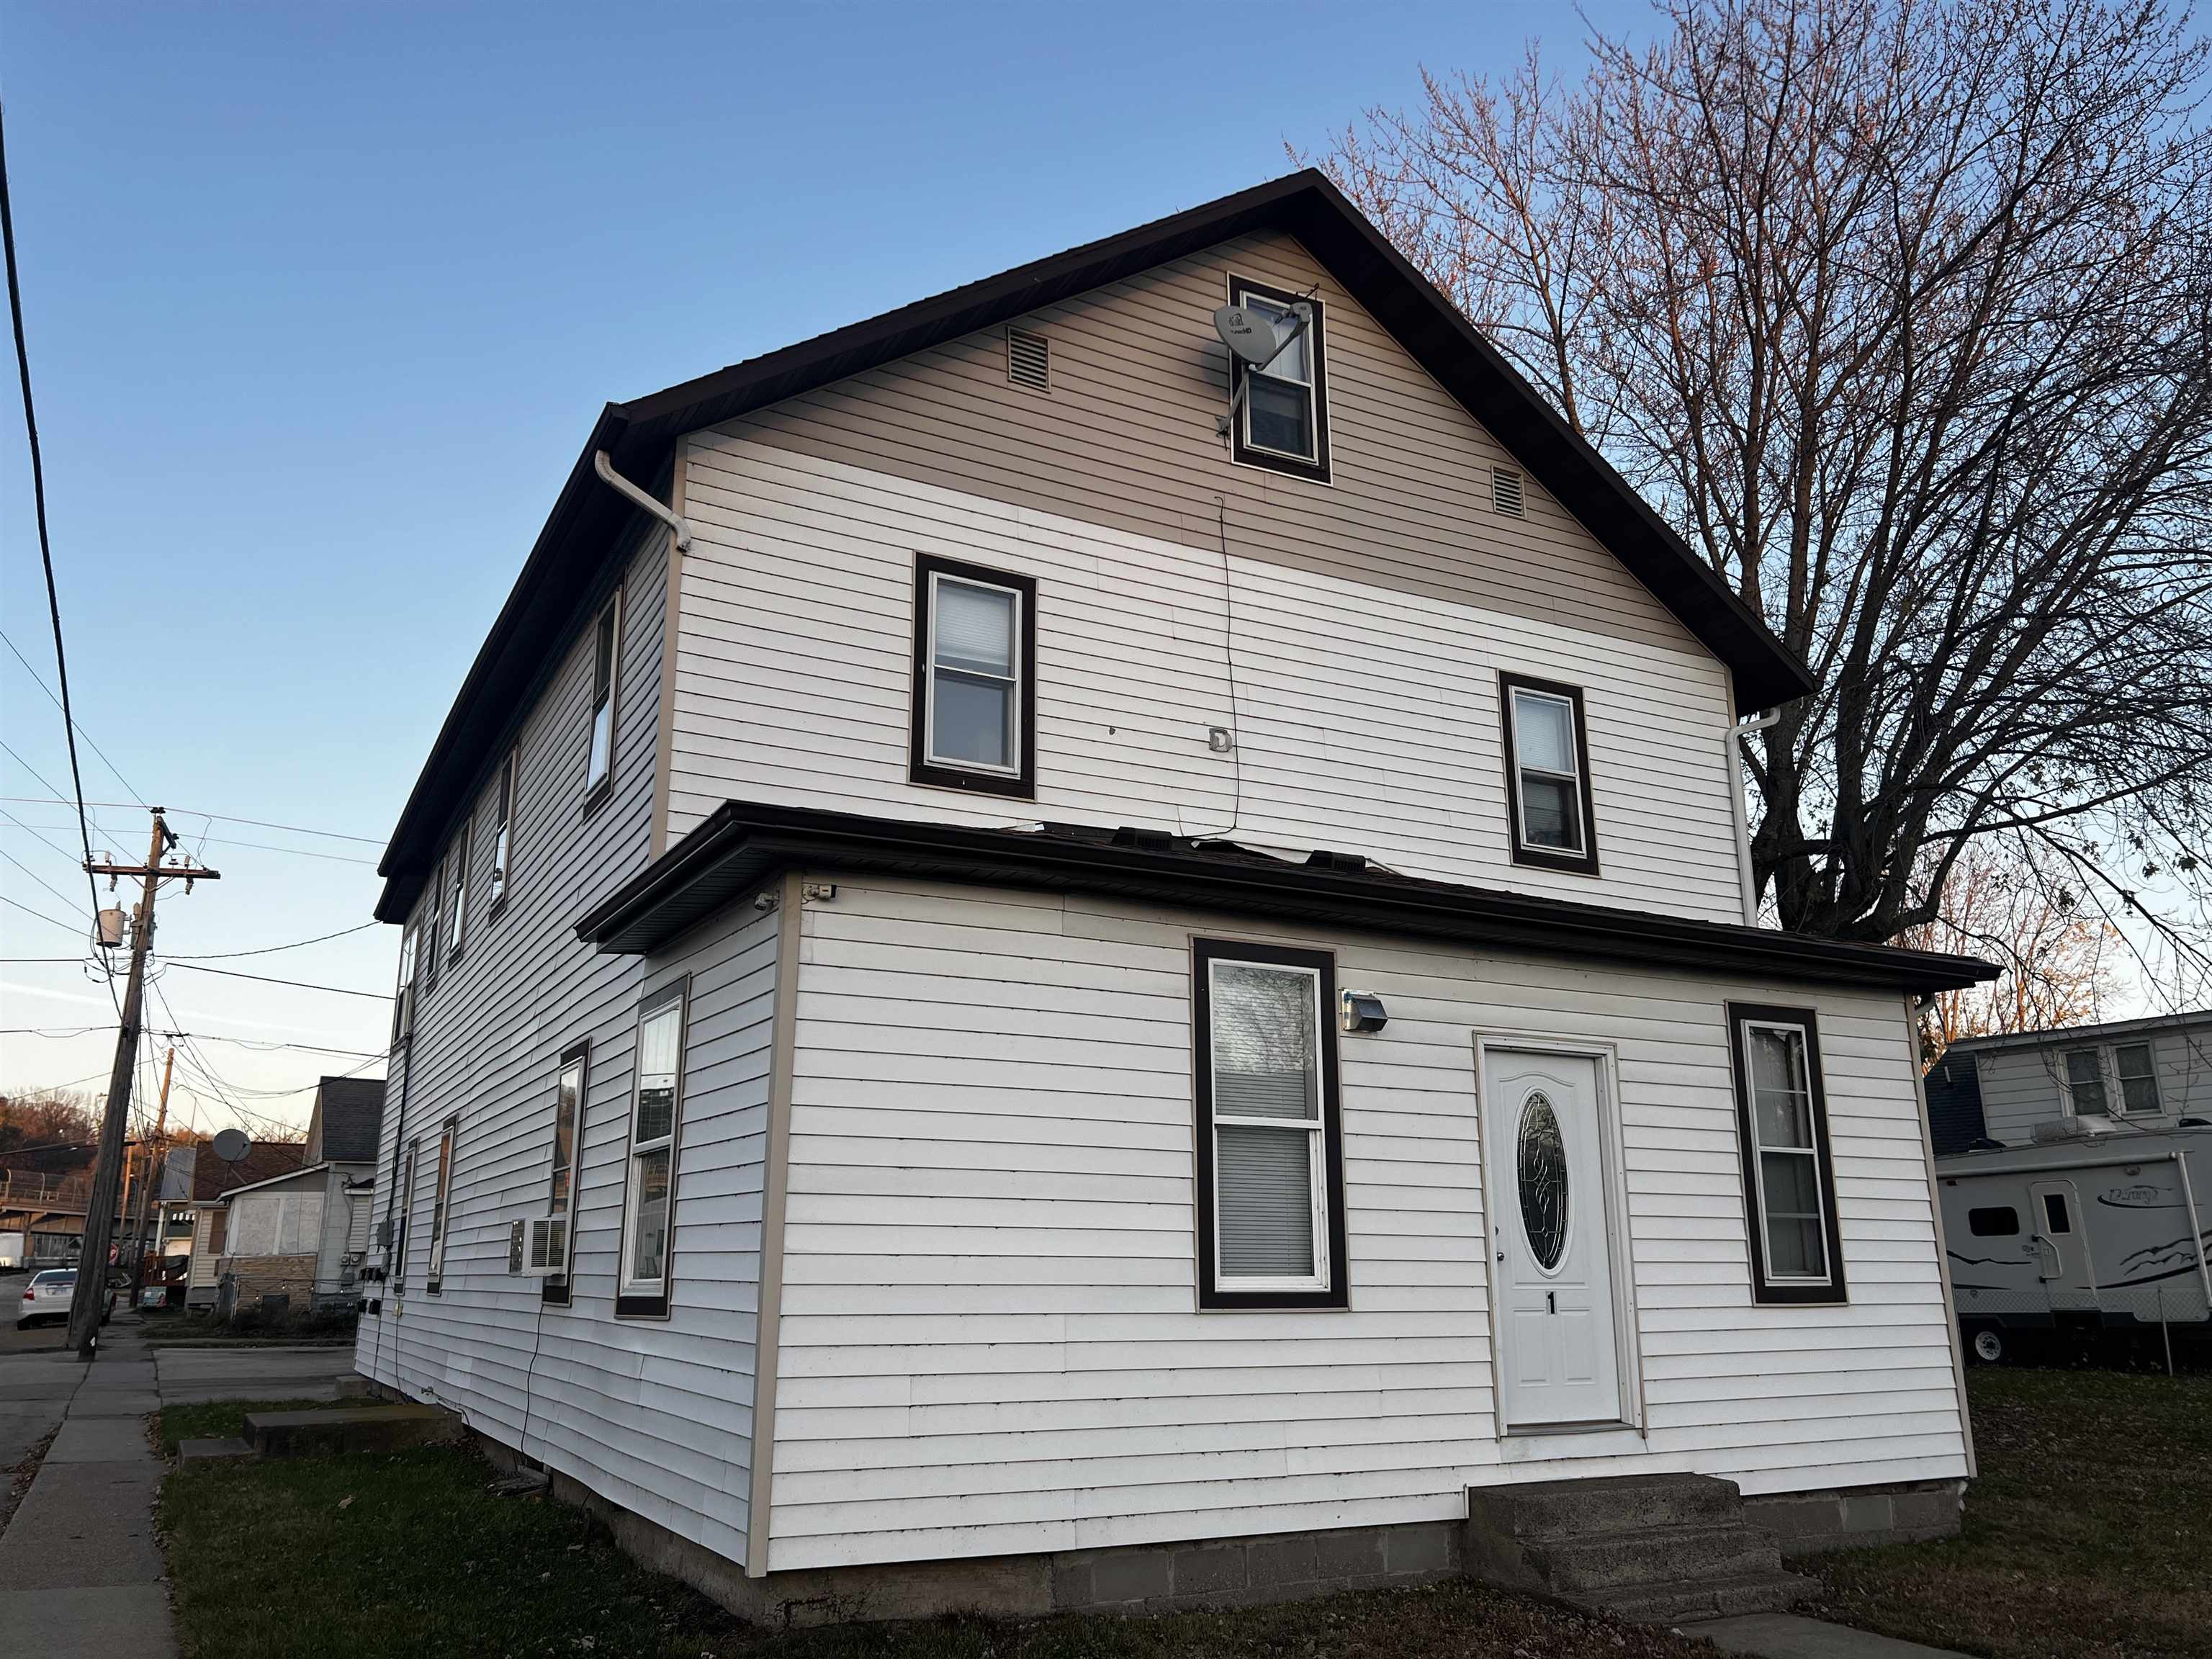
[[739, 848]]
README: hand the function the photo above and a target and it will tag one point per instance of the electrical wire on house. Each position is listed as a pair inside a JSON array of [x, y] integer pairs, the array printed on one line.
[[1228, 658], [265, 979]]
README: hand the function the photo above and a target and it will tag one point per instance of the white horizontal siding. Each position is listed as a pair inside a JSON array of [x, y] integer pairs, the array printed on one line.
[[655, 1415], [989, 1341], [2022, 1085], [1366, 719]]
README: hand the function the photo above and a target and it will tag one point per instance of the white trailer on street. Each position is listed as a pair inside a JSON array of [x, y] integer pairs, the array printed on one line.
[[2095, 1227]]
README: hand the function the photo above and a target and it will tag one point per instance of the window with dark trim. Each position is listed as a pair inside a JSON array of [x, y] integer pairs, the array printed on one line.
[[568, 1091], [1790, 1188], [974, 718], [1270, 1204], [441, 1194], [1993, 1221], [427, 946], [656, 1119], [457, 900], [606, 676], [1282, 405], [409, 1157], [403, 999], [502, 835], [1548, 775]]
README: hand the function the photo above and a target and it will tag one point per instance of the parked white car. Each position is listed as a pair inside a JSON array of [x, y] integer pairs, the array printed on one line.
[[48, 1296]]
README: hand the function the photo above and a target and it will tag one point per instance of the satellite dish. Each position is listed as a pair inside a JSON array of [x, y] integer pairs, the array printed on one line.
[[231, 1144], [1251, 334]]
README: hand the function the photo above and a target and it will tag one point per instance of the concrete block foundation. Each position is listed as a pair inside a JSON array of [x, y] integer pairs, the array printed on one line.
[[1148, 1578], [1809, 1522]]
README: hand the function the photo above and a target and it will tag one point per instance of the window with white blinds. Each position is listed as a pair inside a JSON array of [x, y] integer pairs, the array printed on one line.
[[1271, 1224], [975, 655], [1547, 777]]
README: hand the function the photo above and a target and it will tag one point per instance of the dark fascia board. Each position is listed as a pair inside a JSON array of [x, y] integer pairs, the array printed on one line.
[[741, 846], [640, 435]]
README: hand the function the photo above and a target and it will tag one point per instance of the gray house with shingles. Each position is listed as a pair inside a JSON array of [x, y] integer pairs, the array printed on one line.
[[1027, 948]]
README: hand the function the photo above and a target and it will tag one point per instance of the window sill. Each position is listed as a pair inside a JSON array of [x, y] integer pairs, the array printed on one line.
[[972, 783], [600, 794], [1327, 1301], [627, 1306], [1567, 864], [1798, 1296]]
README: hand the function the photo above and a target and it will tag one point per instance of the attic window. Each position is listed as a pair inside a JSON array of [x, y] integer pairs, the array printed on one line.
[[1029, 359], [1505, 492]]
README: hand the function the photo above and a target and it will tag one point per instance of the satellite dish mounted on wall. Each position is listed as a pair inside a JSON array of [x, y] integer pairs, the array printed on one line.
[[1255, 339], [231, 1144]]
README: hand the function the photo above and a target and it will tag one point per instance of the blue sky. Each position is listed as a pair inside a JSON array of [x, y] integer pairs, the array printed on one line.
[[323, 299]]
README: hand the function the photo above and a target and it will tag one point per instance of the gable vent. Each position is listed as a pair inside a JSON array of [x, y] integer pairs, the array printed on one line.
[[1029, 359], [1506, 494]]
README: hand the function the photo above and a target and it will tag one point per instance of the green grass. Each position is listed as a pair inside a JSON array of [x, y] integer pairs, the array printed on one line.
[[2088, 1534], [219, 1419], [408, 1557]]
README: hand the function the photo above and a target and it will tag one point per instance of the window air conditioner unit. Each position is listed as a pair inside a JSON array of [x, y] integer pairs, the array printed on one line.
[[545, 1248]]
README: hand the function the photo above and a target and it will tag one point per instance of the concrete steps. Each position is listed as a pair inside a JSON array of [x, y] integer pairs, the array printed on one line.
[[350, 1429], [1653, 1549]]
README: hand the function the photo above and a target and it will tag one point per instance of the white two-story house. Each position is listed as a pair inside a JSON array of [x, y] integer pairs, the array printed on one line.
[[1111, 974]]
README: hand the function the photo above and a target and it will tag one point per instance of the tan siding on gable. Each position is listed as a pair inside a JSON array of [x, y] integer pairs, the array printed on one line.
[[1127, 439]]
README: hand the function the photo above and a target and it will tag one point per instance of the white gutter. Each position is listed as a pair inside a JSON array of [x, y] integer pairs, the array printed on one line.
[[605, 468], [1736, 733]]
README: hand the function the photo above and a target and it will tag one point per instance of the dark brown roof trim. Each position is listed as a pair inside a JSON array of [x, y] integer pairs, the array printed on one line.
[[640, 435], [738, 849]]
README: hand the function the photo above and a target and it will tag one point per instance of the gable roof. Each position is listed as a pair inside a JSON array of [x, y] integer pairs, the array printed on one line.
[[639, 436], [212, 1178], [348, 1113]]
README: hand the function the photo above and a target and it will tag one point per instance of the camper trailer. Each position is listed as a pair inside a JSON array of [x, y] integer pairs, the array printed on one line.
[[2096, 1226]]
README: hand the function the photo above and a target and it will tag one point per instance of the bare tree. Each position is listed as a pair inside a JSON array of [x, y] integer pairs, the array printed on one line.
[[2019, 905], [1902, 312]]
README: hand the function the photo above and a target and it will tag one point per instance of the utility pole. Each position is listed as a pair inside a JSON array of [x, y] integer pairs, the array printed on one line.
[[149, 1192], [91, 1297]]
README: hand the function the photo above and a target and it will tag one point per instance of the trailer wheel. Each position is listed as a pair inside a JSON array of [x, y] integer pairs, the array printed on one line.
[[1988, 1345]]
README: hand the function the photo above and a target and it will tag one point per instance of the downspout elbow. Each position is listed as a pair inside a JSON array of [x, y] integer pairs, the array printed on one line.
[[605, 468]]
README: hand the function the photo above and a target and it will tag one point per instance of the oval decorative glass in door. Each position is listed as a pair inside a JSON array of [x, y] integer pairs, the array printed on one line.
[[1541, 1162]]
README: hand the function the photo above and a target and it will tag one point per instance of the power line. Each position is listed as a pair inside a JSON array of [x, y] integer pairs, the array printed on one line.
[[264, 979], [64, 1032], [232, 841], [39, 499], [43, 882], [66, 926], [56, 703], [192, 811]]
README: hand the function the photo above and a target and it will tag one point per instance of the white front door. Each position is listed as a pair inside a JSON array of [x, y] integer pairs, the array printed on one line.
[[1558, 1355]]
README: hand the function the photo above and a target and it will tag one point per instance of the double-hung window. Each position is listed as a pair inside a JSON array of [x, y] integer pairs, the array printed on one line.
[[2136, 1069], [649, 1196], [441, 1199], [606, 673], [1270, 1179], [561, 1197], [403, 1000], [1782, 1118], [1282, 420], [457, 900], [502, 836], [434, 927], [1547, 777], [975, 678], [2085, 1082], [408, 1157]]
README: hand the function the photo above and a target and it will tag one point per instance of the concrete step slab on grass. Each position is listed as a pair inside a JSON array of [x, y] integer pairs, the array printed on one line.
[[1786, 1635], [350, 1429]]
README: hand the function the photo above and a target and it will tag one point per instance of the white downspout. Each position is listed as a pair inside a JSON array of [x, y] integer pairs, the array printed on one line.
[[1731, 759], [605, 468]]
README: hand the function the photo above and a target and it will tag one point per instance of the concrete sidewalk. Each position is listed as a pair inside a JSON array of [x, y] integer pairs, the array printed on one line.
[[1786, 1635], [80, 1571]]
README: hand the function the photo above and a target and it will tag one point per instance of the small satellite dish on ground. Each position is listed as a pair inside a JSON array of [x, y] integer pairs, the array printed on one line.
[[231, 1144]]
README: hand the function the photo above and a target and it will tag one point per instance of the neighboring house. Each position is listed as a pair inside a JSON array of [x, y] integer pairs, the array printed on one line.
[[1048, 980], [304, 1234], [208, 1178], [2139, 1073]]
